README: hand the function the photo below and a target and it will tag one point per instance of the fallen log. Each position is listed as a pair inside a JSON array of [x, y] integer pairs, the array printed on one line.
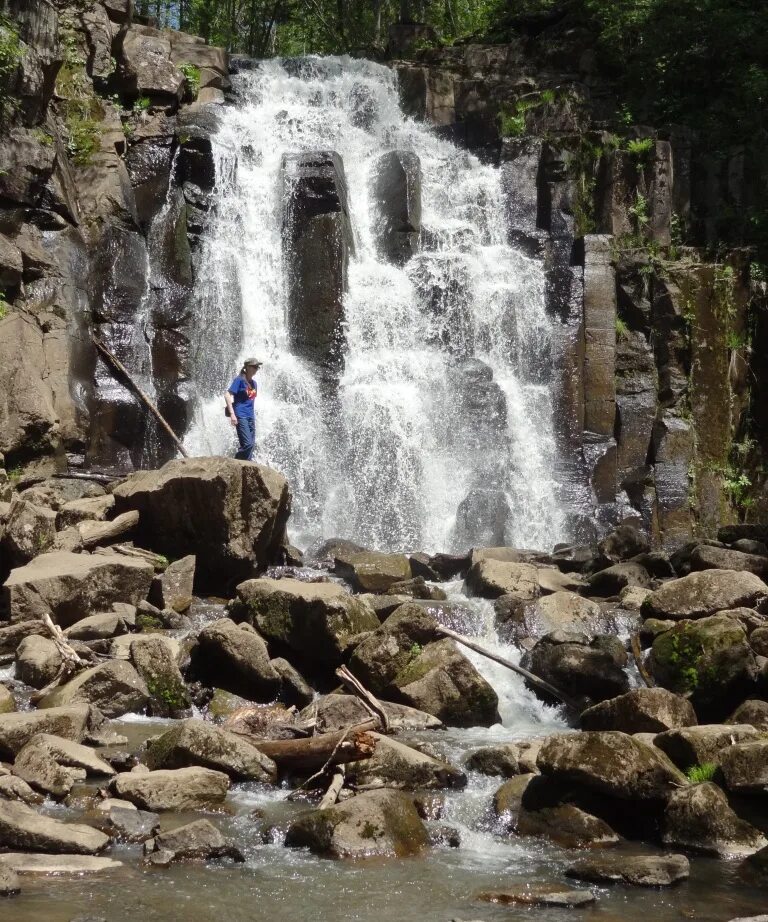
[[315, 752], [528, 676], [124, 376], [93, 533]]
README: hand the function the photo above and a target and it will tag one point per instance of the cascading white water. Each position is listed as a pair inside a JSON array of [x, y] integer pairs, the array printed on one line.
[[441, 436]]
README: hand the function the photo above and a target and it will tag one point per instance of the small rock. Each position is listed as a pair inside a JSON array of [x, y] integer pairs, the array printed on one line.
[[132, 825], [637, 870], [9, 882], [539, 895], [179, 789], [199, 840]]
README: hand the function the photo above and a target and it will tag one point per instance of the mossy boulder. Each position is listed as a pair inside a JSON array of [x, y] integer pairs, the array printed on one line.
[[195, 742], [610, 763], [709, 660], [155, 663], [704, 593], [381, 824], [641, 710], [699, 818], [316, 621], [404, 661]]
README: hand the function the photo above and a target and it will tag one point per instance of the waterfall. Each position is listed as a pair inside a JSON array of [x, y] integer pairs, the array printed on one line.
[[439, 434]]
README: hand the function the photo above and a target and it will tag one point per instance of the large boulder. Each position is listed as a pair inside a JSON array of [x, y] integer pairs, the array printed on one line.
[[744, 767], [155, 663], [235, 658], [709, 660], [612, 580], [37, 660], [17, 729], [709, 557], [397, 192], [586, 673], [393, 764], [376, 824], [29, 530], [313, 620], [196, 841], [610, 763], [194, 742], [336, 712], [492, 578], [70, 586], [688, 746], [146, 68], [114, 687], [230, 514], [403, 661], [104, 625], [637, 870], [373, 571], [566, 824], [705, 593], [26, 829], [175, 789], [642, 710], [560, 611], [699, 818], [506, 759], [754, 712]]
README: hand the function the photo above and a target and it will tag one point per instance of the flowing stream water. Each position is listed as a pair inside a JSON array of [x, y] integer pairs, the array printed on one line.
[[441, 436]]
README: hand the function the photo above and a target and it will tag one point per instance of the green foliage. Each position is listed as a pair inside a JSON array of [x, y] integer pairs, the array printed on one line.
[[416, 650], [3, 306], [640, 150], [684, 656], [511, 125], [142, 104], [700, 774], [622, 330], [80, 107], [638, 211], [192, 77], [11, 53]]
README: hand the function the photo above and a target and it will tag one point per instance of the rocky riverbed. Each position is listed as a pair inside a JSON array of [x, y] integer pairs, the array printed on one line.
[[196, 714]]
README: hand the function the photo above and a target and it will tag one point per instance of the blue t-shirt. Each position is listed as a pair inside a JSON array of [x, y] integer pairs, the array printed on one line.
[[243, 396]]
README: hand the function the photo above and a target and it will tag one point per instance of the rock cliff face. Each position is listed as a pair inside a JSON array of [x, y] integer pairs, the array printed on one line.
[[656, 387], [105, 166]]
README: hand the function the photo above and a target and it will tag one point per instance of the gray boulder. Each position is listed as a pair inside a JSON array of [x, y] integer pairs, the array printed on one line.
[[754, 712], [707, 744], [612, 580], [709, 557], [506, 759], [104, 625], [26, 829], [565, 824], [610, 763], [174, 587], [235, 658], [641, 710], [705, 593], [196, 841], [336, 712], [492, 578], [29, 530], [114, 687], [157, 666], [376, 824], [146, 68], [37, 661], [176, 789], [636, 870], [396, 765], [195, 742], [744, 766], [16, 730], [396, 189], [699, 818], [69, 586], [230, 514], [314, 620], [373, 571], [586, 673]]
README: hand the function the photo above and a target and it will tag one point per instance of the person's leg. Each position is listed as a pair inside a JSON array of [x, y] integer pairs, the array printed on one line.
[[245, 435], [251, 437]]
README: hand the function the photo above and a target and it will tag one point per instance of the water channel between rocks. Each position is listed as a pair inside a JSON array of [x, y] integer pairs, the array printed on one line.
[[290, 885]]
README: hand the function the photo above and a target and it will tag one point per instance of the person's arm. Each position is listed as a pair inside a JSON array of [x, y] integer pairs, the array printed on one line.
[[231, 405]]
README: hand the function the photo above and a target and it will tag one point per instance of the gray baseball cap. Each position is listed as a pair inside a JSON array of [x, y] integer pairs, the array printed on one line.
[[252, 361]]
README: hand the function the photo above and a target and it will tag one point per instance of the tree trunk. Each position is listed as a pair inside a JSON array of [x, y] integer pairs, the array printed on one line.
[[306, 755]]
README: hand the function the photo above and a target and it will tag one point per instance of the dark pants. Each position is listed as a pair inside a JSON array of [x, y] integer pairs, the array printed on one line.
[[246, 433]]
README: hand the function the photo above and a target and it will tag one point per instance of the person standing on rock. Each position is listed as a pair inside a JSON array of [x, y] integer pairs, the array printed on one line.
[[240, 399]]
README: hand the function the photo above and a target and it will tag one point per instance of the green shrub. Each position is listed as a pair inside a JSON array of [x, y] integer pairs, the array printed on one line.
[[11, 53], [640, 150], [622, 330], [80, 107], [192, 76], [700, 774], [142, 104], [511, 125]]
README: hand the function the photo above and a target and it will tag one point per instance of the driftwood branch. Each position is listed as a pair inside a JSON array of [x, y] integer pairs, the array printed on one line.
[[94, 476], [637, 653], [71, 663], [332, 794], [124, 373], [370, 701], [318, 752], [528, 676], [93, 533]]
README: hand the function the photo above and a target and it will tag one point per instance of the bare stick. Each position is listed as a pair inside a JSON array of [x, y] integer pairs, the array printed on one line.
[[637, 653], [70, 659], [332, 794], [529, 676], [116, 363], [369, 700]]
